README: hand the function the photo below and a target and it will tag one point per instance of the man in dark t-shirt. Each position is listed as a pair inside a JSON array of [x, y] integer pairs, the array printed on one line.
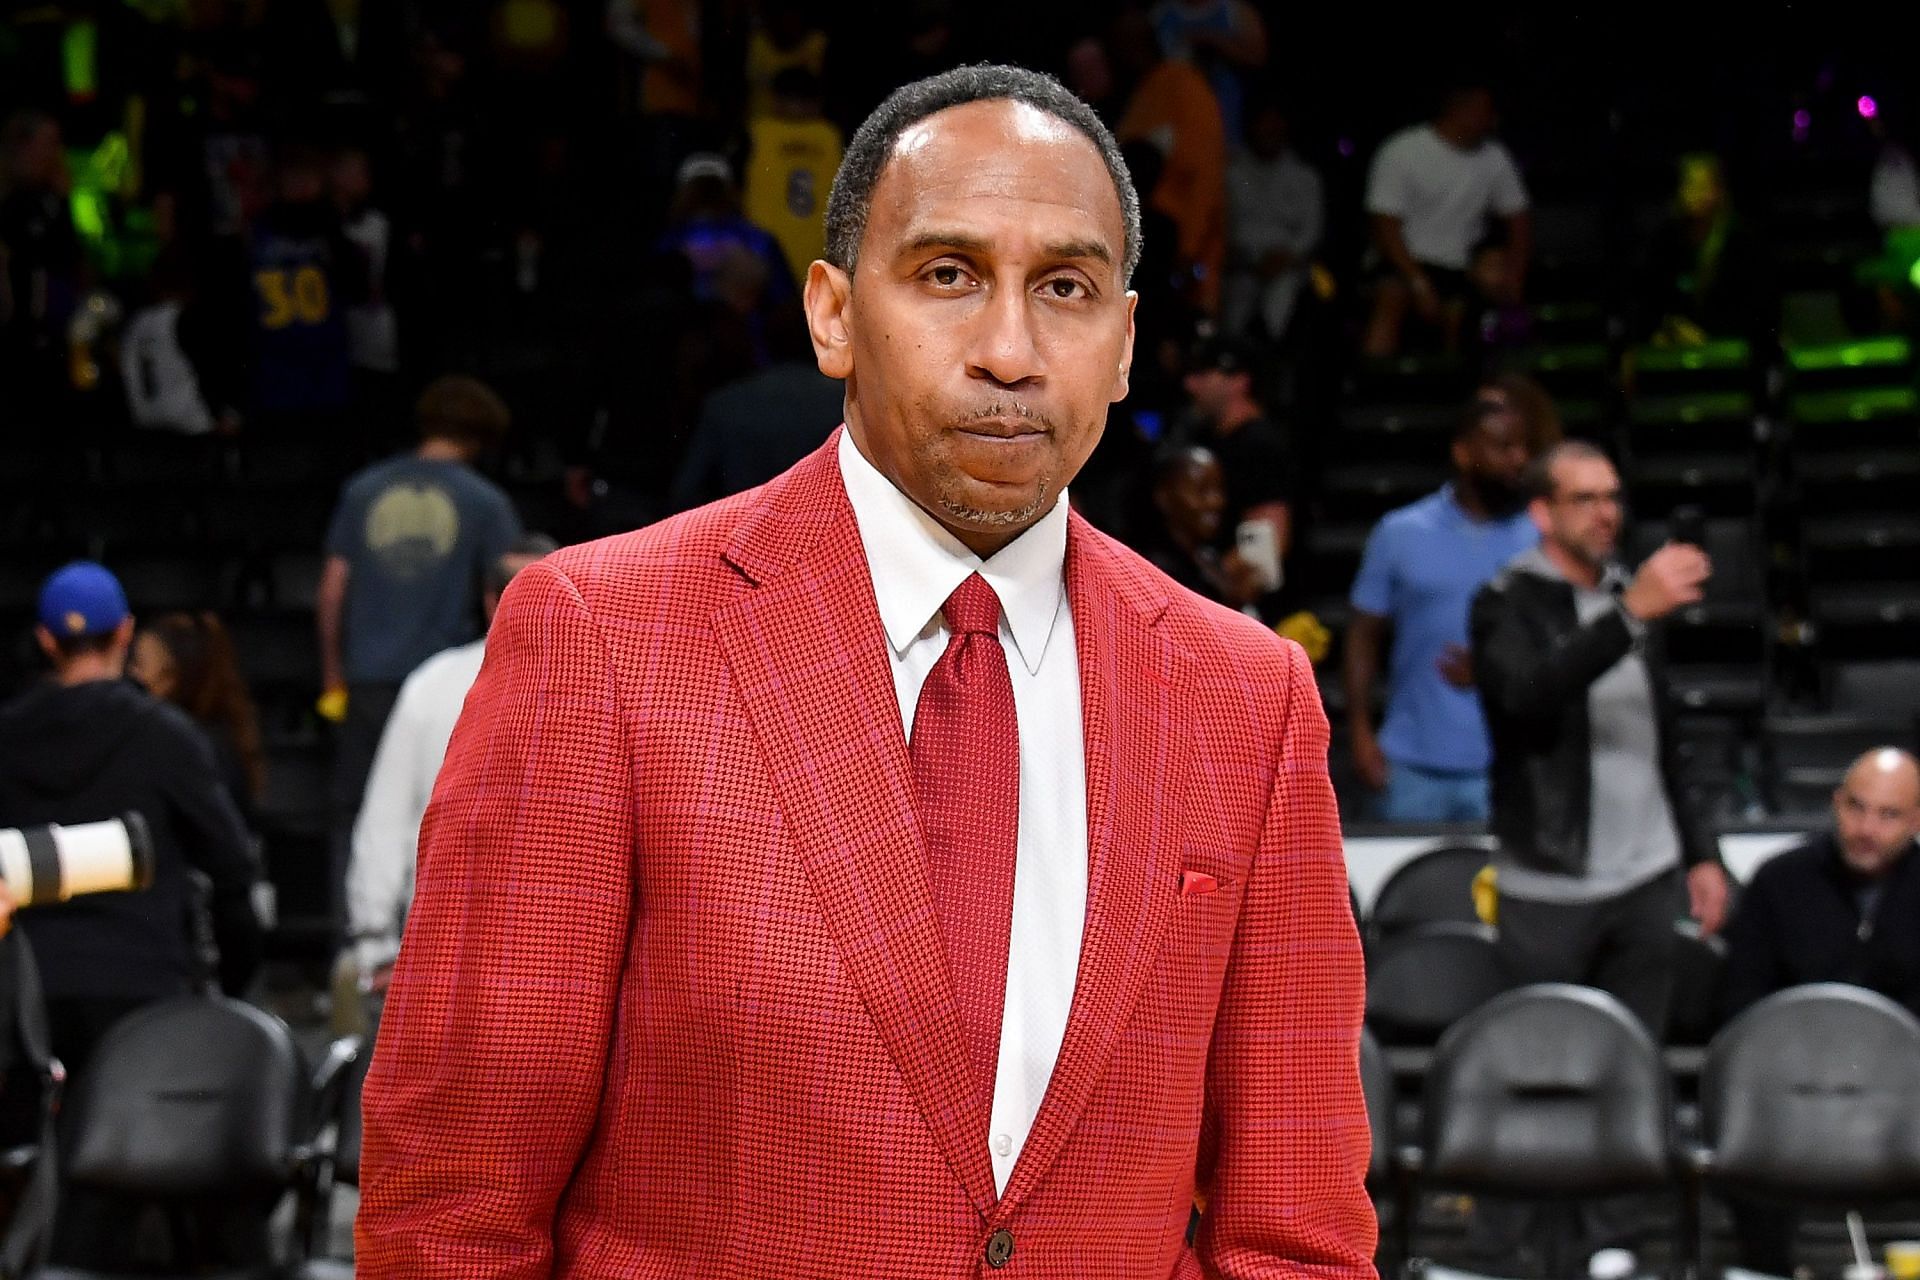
[[407, 550], [1253, 454]]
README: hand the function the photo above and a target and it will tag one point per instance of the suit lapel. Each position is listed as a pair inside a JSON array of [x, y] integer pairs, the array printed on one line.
[[1134, 700], [808, 652]]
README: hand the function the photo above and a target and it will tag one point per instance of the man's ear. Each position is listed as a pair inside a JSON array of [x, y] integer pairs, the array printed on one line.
[[1542, 512], [44, 638], [1122, 380], [123, 640], [829, 303]]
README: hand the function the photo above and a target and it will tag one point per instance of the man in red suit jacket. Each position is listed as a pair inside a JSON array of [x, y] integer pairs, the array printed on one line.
[[683, 994]]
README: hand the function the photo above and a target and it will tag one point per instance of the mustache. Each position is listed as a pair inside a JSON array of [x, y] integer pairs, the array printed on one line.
[[1006, 409]]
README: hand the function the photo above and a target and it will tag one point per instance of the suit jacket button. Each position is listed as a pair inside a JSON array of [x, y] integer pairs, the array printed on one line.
[[999, 1248]]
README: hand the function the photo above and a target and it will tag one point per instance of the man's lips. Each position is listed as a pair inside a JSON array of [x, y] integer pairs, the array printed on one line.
[[1003, 428]]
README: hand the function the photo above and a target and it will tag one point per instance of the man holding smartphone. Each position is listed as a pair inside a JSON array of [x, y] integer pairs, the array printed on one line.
[[1598, 855], [1253, 455]]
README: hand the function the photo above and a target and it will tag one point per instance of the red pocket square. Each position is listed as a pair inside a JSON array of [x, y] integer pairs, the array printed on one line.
[[1196, 882]]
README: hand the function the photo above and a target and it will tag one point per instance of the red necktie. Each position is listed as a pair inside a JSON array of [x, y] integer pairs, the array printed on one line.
[[966, 771]]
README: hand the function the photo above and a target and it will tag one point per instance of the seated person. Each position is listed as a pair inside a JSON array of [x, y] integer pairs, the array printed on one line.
[[1844, 906], [1706, 274], [1435, 192]]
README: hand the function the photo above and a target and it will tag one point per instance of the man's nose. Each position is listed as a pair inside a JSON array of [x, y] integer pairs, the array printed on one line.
[[1004, 346]]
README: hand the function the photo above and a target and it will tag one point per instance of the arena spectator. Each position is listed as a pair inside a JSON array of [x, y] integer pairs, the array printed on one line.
[[1225, 39], [1431, 193], [734, 261], [40, 263], [1172, 106], [1893, 191], [1190, 499], [187, 659], [1526, 397], [663, 79], [1893, 202], [795, 153], [1586, 780], [1843, 907], [664, 37], [1253, 454], [1706, 273], [303, 273], [380, 875], [440, 180], [753, 429], [1276, 212], [783, 40], [219, 170], [406, 550], [373, 330], [168, 354], [1421, 568], [88, 745]]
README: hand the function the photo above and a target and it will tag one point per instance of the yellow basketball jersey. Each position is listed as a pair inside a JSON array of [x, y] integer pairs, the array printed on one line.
[[788, 173]]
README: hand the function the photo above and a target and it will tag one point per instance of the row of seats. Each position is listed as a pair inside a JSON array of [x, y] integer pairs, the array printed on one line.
[[1552, 1092], [1431, 961]]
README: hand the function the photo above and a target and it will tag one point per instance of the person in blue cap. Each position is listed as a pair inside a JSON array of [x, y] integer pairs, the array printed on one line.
[[88, 744]]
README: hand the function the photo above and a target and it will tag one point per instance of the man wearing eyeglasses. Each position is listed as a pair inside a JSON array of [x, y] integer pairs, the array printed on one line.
[[1598, 854]]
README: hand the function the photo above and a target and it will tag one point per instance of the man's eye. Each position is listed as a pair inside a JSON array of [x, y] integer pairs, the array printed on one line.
[[946, 275], [1065, 288]]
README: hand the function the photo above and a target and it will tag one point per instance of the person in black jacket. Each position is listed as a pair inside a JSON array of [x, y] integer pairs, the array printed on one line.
[[1586, 799], [89, 745], [1844, 906]]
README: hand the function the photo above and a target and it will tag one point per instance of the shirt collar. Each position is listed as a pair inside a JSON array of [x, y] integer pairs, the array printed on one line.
[[916, 563], [1613, 577]]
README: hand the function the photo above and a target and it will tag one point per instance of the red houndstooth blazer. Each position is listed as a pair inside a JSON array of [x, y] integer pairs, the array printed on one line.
[[673, 1000]]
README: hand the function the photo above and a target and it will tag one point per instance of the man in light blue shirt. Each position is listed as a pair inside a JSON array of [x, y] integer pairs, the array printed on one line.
[[1422, 565]]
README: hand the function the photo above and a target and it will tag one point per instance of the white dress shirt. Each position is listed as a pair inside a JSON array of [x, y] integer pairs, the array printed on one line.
[[386, 835], [916, 564]]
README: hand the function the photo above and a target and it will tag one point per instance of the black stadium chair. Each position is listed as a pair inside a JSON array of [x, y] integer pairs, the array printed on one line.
[[1811, 1098], [1880, 479], [1875, 689], [1866, 620], [1376, 1080], [1431, 886], [1422, 980], [1701, 422], [1723, 483], [32, 1085], [199, 1105], [339, 1162], [1862, 546], [1395, 432], [1549, 1092]]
